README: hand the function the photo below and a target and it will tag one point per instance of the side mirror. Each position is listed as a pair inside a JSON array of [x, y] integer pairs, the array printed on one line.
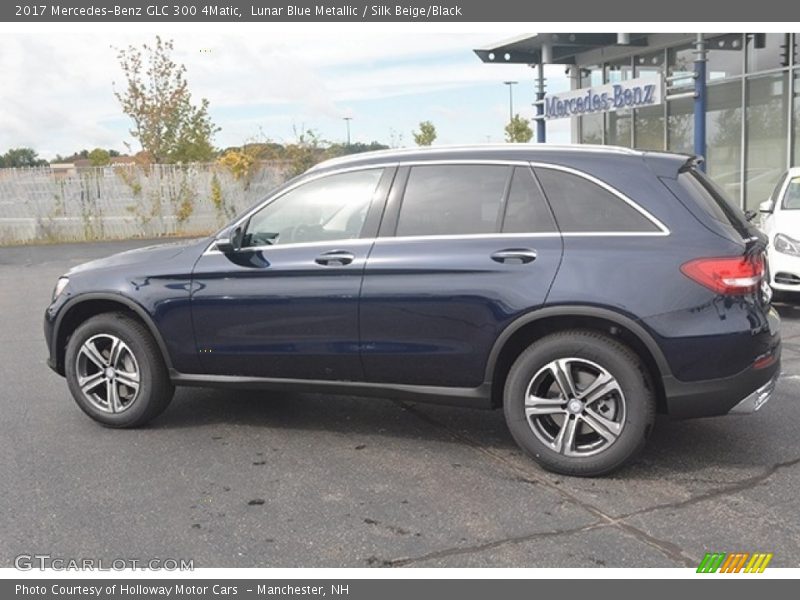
[[765, 207], [225, 245], [230, 242]]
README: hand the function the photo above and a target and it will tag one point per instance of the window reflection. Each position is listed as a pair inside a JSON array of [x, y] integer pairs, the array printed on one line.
[[724, 56], [767, 126], [724, 137], [649, 121], [796, 158], [618, 123], [768, 51]]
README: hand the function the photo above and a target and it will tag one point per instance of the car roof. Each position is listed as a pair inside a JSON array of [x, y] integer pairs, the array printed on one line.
[[557, 154]]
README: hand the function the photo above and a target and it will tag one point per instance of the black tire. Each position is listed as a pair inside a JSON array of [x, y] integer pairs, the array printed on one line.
[[155, 389], [632, 403]]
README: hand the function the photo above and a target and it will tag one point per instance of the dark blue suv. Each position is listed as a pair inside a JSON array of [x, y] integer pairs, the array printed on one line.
[[581, 289]]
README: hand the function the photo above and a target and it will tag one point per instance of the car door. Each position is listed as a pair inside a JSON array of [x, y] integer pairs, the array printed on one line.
[[463, 250], [285, 305]]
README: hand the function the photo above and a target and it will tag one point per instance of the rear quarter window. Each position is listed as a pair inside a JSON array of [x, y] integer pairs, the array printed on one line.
[[711, 199], [580, 205]]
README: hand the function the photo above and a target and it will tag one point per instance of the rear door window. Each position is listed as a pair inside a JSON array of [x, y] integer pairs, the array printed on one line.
[[452, 200], [526, 208], [580, 205]]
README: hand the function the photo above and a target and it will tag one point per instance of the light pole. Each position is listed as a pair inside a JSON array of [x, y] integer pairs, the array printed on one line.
[[510, 85], [347, 120]]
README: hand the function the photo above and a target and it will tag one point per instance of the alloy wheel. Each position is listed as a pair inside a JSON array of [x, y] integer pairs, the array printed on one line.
[[575, 407], [108, 373]]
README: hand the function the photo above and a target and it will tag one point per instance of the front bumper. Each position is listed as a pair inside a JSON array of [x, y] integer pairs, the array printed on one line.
[[784, 272]]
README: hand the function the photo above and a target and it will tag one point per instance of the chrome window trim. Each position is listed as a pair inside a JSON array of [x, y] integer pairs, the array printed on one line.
[[320, 244], [662, 229], [304, 180]]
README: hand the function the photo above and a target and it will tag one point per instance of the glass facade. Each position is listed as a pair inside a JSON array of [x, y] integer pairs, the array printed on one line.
[[592, 125], [724, 136], [766, 51], [724, 56], [618, 123], [648, 126], [753, 112], [767, 127], [796, 155]]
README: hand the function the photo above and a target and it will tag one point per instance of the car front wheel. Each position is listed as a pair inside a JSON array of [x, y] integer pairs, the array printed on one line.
[[579, 402], [115, 371]]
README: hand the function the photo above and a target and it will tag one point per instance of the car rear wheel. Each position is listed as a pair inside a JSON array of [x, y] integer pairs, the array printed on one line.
[[579, 402], [115, 371]]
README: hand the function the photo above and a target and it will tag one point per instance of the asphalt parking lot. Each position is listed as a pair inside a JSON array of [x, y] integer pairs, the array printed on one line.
[[242, 479]]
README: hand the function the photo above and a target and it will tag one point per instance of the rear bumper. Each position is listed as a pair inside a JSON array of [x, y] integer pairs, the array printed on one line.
[[744, 392], [757, 399]]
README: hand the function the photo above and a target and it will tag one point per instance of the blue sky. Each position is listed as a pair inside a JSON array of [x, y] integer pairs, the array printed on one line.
[[57, 94]]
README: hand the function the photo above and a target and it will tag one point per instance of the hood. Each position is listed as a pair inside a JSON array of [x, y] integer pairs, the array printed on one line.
[[158, 253]]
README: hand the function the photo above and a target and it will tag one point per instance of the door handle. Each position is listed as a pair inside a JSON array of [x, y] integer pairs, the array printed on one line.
[[335, 258], [514, 256]]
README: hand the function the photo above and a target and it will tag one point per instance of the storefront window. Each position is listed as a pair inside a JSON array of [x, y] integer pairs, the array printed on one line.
[[618, 124], [591, 76], [592, 129], [680, 126], [649, 65], [768, 51], [796, 157], [681, 61], [648, 129], [724, 137], [592, 125], [724, 56], [767, 128]]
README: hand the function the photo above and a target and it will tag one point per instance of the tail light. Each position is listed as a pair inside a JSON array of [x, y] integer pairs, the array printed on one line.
[[729, 275]]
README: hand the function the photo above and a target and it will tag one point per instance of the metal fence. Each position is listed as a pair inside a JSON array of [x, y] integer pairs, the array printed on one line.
[[46, 205]]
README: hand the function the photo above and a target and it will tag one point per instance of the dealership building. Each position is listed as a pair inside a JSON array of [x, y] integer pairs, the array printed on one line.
[[732, 97]]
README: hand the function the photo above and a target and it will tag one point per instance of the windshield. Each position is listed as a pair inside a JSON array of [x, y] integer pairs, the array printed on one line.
[[791, 199]]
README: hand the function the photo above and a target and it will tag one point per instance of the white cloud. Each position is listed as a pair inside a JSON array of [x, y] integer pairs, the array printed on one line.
[[56, 92]]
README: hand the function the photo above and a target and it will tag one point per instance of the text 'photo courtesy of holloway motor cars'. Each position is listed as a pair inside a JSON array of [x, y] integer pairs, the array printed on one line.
[[580, 289]]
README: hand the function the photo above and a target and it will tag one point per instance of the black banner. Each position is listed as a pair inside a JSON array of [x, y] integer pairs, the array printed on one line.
[[454, 11], [705, 586]]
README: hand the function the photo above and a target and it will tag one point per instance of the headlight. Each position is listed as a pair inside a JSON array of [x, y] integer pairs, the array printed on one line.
[[60, 285], [786, 245]]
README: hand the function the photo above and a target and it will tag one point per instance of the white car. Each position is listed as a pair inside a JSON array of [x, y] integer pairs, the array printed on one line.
[[780, 219]]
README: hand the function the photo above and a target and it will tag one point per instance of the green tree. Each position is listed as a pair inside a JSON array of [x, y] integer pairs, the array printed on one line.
[[426, 134], [21, 157], [518, 130], [306, 151], [167, 124], [99, 157]]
